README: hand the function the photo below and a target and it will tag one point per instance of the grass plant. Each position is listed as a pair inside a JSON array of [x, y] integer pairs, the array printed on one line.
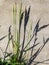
[[18, 55]]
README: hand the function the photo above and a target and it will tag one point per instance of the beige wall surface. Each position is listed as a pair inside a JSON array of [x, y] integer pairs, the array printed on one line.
[[39, 10]]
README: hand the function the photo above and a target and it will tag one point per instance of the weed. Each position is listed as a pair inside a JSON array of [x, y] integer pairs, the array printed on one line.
[[18, 55]]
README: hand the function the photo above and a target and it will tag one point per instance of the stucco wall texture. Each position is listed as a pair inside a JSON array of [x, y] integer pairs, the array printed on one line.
[[39, 10]]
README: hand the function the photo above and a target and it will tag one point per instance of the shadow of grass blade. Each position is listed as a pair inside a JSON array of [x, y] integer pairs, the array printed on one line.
[[9, 39], [26, 18], [3, 37]]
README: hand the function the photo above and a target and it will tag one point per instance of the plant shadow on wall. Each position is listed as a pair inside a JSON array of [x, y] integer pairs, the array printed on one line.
[[18, 57]]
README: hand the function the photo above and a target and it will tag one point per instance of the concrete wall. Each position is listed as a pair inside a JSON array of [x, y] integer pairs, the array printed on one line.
[[39, 10]]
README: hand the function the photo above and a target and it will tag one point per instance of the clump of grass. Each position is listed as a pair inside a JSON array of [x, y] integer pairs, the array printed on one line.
[[18, 55]]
